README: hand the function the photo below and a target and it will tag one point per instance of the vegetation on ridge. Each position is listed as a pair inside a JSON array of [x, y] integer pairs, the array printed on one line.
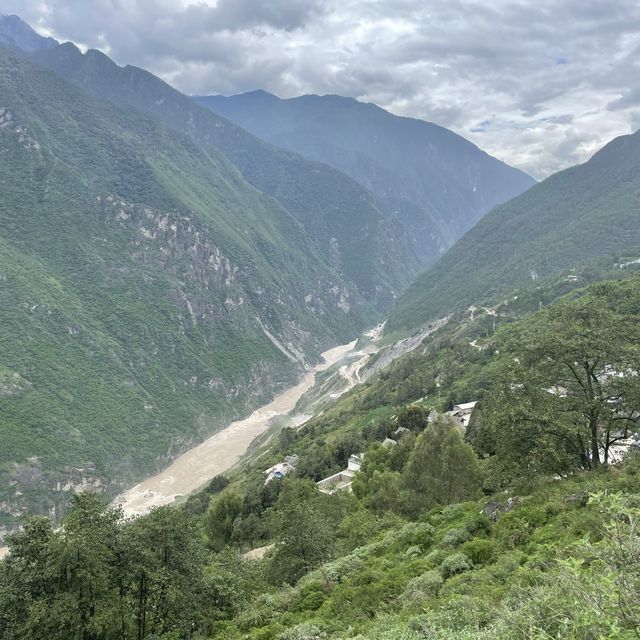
[[571, 218]]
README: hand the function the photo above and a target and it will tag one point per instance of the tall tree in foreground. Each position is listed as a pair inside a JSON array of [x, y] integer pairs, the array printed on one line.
[[567, 388], [442, 468], [305, 532]]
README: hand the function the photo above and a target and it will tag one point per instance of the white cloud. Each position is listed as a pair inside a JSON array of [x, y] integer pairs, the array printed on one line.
[[540, 85]]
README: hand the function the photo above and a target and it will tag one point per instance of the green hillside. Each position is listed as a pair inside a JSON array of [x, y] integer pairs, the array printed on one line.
[[139, 276], [349, 225], [587, 211]]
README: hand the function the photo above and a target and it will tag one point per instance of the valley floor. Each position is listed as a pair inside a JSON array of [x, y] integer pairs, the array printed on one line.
[[222, 450]]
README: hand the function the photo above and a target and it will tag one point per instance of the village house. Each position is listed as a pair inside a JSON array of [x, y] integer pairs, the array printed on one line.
[[342, 481], [461, 413], [280, 470]]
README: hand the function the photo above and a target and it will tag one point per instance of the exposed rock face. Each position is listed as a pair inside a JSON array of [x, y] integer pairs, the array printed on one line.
[[495, 509]]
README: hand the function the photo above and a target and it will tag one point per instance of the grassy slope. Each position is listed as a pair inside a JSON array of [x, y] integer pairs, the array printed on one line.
[[399, 585], [133, 269], [587, 211], [390, 578]]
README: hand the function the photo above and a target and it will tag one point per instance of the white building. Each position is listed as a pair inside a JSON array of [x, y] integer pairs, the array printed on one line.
[[461, 413], [342, 481], [280, 470]]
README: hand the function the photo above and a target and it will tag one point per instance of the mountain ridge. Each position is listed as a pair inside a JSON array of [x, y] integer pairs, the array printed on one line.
[[150, 294], [346, 221], [434, 183], [586, 211], [16, 33]]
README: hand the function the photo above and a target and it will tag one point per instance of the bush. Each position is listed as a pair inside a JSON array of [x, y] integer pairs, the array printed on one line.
[[514, 528], [455, 537], [343, 567], [304, 631], [479, 550], [455, 563], [453, 511], [311, 596], [478, 524], [264, 609], [415, 533], [425, 586]]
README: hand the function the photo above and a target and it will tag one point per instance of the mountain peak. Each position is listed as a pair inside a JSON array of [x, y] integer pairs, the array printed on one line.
[[16, 33]]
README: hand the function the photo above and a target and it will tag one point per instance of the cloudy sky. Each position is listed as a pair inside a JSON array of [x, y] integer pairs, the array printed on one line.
[[541, 84]]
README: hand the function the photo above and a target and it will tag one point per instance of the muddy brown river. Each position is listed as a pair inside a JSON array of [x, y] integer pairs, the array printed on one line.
[[222, 450]]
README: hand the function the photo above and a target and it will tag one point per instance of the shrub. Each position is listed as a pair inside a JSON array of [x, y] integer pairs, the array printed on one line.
[[303, 631], [415, 533], [340, 568], [478, 524], [479, 550], [264, 609], [310, 596], [453, 512], [436, 557], [413, 552], [514, 528], [455, 563], [455, 537], [425, 586]]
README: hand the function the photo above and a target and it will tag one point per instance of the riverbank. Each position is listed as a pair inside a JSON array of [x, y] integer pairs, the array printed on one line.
[[222, 450]]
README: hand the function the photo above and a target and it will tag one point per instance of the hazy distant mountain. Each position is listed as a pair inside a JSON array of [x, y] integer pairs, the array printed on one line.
[[148, 292], [348, 223], [435, 183], [576, 215], [16, 33]]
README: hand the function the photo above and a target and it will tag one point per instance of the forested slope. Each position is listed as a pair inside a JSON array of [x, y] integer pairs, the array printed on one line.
[[576, 215], [148, 291]]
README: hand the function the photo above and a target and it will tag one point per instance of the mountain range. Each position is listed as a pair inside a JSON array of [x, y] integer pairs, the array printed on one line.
[[149, 293], [163, 270], [432, 182], [346, 221]]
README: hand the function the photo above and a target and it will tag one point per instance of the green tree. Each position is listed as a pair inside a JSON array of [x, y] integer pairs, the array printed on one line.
[[376, 460], [248, 529], [220, 519], [305, 535], [414, 418], [166, 574], [442, 468], [566, 389], [24, 578], [384, 492], [81, 602]]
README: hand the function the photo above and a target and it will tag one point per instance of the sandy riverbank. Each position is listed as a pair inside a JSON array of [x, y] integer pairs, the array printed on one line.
[[222, 450]]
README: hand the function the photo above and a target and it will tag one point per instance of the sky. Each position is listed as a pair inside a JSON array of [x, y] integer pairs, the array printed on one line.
[[540, 84]]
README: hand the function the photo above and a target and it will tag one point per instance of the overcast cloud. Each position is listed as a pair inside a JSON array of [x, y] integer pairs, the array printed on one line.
[[541, 85]]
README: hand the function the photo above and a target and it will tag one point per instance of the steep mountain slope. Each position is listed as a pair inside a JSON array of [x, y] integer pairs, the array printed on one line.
[[147, 292], [344, 219], [435, 183], [18, 34], [587, 211]]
